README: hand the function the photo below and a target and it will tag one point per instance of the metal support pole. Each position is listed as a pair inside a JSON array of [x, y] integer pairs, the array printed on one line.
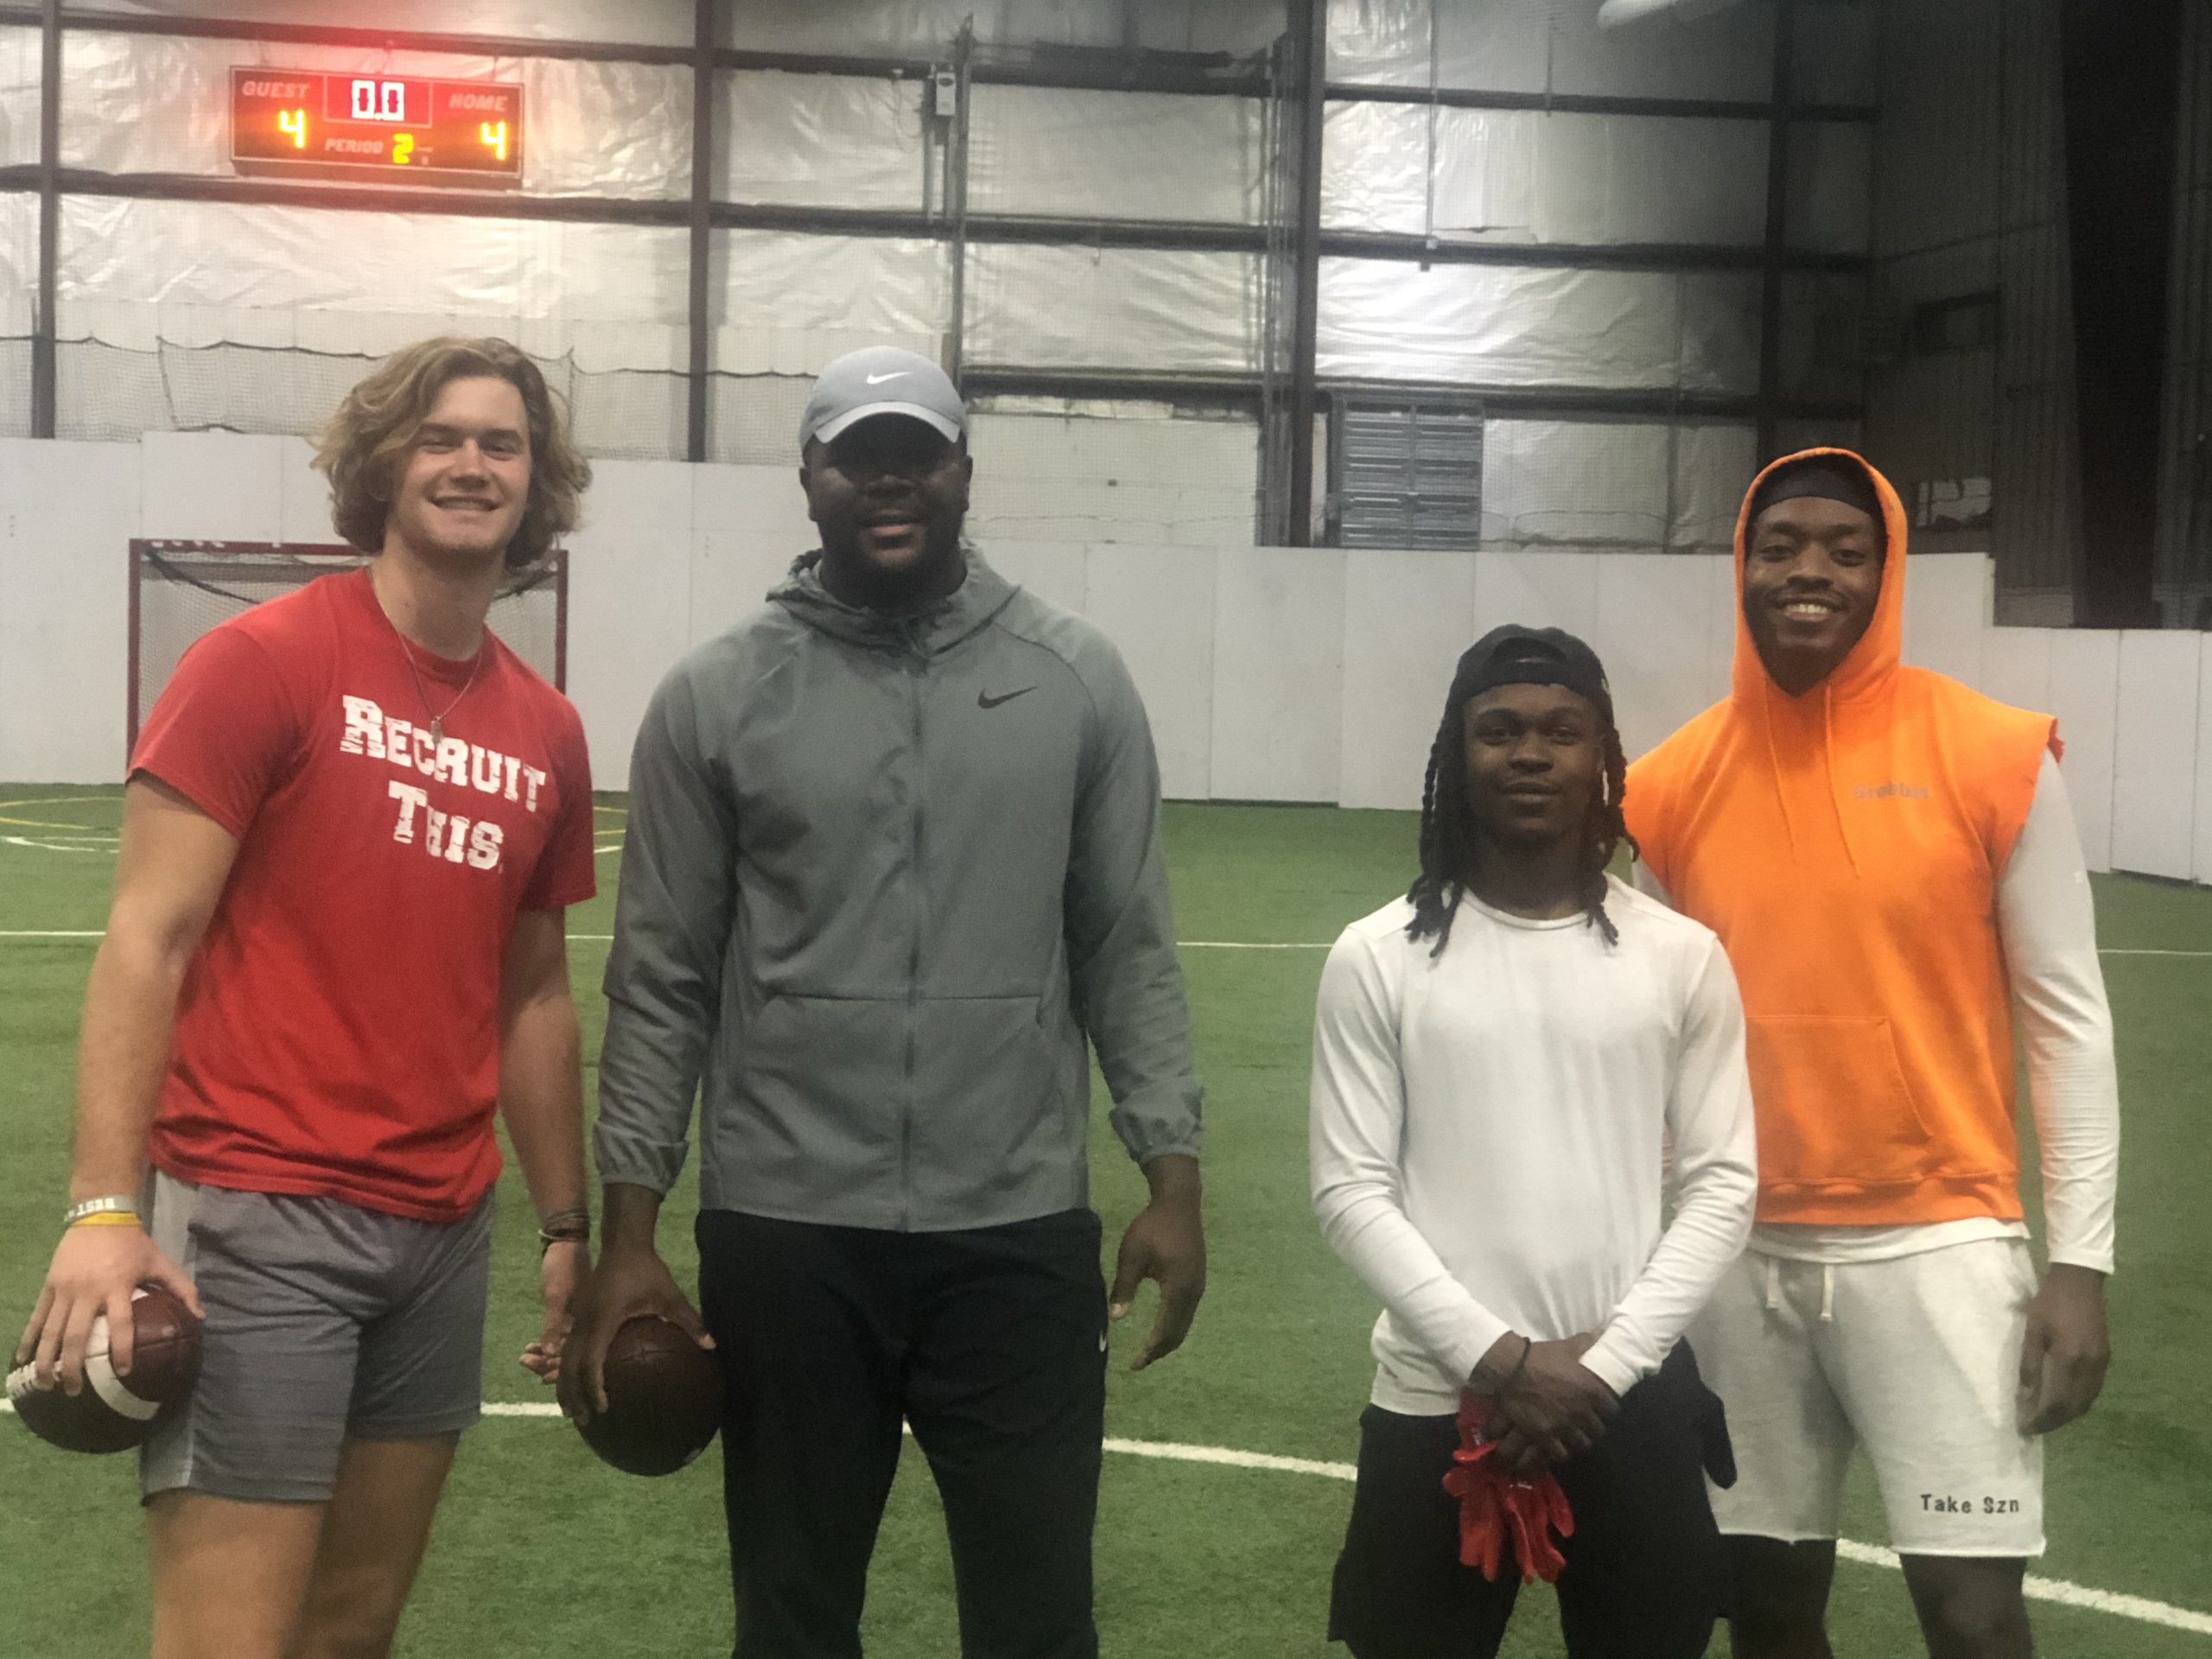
[[1313, 85], [956, 192], [1778, 231], [49, 218], [701, 240]]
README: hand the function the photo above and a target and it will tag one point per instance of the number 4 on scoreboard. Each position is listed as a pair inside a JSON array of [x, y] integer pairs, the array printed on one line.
[[294, 122], [494, 134]]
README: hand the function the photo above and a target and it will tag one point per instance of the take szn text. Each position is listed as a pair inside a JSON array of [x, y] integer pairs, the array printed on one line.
[[1936, 1504]]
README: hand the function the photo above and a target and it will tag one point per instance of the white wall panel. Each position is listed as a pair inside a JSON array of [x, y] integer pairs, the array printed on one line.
[[1713, 465], [2201, 853], [1561, 482], [2085, 696], [1528, 47], [67, 513], [1539, 590], [1523, 175], [1123, 308], [1152, 481], [19, 97], [1507, 324], [1057, 572], [303, 503], [763, 501], [1156, 604], [1947, 605], [2016, 669], [629, 602], [1115, 155], [1406, 617], [1654, 632], [732, 571], [2154, 733], [1277, 679], [839, 140], [214, 486], [792, 302]]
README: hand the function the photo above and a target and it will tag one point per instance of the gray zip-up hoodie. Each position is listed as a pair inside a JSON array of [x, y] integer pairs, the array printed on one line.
[[881, 877]]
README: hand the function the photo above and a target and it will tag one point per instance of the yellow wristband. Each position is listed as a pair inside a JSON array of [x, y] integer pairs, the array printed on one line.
[[107, 1218]]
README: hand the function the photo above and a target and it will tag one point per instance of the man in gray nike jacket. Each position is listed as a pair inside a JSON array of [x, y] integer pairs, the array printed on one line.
[[892, 869]]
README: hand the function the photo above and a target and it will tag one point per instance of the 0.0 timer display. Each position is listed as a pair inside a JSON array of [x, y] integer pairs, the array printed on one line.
[[400, 128]]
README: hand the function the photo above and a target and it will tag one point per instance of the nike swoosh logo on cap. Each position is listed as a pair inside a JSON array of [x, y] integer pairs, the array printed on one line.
[[896, 374]]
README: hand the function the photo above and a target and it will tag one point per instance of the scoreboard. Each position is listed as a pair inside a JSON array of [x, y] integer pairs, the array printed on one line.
[[399, 129]]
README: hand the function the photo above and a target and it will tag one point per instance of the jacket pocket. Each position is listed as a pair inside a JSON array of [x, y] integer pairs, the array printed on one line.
[[990, 1120], [823, 1084], [1833, 1106]]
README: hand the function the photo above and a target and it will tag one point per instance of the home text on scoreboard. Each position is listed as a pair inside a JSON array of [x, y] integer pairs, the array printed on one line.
[[400, 129]]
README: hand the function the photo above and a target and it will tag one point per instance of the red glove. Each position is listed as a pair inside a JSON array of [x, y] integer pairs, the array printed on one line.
[[1494, 1507]]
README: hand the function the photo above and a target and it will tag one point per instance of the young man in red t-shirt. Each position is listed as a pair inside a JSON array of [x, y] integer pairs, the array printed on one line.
[[335, 949]]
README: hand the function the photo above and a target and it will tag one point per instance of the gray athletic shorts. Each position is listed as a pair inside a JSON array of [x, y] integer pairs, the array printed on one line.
[[326, 1322]]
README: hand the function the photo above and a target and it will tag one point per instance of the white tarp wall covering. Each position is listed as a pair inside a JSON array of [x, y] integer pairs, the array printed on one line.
[[195, 315], [1270, 673]]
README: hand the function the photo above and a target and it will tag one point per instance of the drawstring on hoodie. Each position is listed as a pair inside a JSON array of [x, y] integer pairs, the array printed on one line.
[[1835, 801], [1774, 1287]]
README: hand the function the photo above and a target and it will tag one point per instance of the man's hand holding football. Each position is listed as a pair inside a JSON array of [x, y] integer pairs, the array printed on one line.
[[630, 1280]]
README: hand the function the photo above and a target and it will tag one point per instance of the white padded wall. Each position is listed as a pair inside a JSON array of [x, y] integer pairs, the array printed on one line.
[[1156, 604], [2154, 733], [629, 602], [1278, 681], [1406, 617], [1664, 648], [215, 486], [1949, 604], [67, 513], [1542, 590], [2201, 853], [2016, 669], [1057, 572], [2085, 695], [746, 524]]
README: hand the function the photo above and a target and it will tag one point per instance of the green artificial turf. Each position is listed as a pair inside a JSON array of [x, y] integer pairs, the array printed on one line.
[[540, 1549]]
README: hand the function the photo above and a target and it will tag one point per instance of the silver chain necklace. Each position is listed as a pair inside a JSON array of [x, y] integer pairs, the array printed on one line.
[[437, 721]]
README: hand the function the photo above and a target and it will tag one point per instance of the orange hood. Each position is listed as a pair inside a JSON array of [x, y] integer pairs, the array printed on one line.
[[1880, 649], [1846, 845]]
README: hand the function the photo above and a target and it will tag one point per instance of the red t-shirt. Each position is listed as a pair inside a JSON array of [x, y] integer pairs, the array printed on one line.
[[338, 1032]]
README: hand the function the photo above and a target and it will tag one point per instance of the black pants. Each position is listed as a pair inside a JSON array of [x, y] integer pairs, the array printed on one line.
[[1645, 1569], [990, 1342]]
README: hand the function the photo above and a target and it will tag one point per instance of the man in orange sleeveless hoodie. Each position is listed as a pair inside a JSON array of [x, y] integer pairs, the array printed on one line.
[[1891, 862]]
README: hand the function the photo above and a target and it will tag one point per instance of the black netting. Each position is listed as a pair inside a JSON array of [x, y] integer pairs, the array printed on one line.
[[184, 589]]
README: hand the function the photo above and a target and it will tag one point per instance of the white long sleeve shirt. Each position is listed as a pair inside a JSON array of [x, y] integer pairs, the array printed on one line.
[[2047, 928], [1489, 1129]]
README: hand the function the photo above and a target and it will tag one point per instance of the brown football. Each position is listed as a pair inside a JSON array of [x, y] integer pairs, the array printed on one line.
[[111, 1413], [664, 1399]]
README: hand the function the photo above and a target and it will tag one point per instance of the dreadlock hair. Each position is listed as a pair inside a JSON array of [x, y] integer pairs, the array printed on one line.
[[1447, 841]]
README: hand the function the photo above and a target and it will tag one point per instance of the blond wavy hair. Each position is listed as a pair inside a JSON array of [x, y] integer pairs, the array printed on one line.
[[363, 449]]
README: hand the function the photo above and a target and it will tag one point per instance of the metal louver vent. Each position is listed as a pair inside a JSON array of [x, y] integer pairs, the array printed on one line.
[[1406, 474]]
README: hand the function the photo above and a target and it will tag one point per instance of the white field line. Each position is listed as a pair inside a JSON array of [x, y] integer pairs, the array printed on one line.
[[2140, 1608]]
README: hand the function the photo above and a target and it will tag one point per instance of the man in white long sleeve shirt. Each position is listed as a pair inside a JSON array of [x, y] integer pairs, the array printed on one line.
[[1891, 862], [1502, 1060]]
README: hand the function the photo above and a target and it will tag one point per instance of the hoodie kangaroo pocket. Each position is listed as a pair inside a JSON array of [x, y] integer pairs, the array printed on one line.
[[1833, 1106]]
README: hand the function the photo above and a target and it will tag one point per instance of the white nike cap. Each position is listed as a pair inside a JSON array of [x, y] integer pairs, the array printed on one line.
[[882, 380]]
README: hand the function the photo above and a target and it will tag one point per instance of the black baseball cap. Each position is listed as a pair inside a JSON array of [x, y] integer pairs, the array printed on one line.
[[1514, 655]]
